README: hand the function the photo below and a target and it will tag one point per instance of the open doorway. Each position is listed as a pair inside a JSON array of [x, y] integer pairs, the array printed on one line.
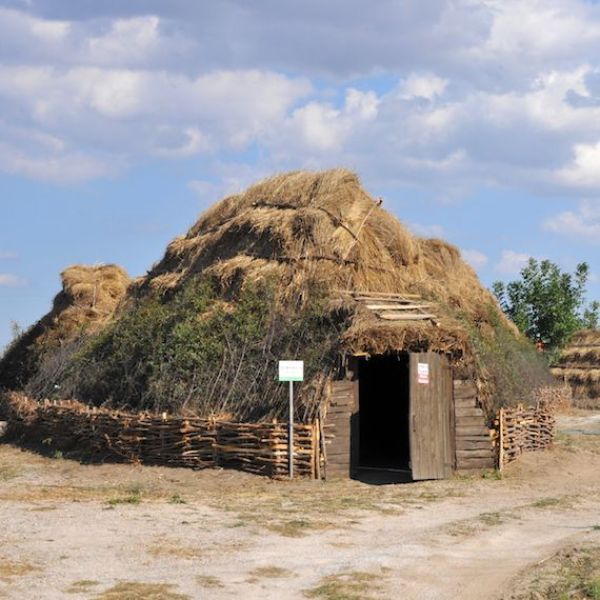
[[383, 418]]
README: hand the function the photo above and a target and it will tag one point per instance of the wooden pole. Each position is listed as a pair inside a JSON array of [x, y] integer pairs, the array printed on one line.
[[291, 431], [500, 439]]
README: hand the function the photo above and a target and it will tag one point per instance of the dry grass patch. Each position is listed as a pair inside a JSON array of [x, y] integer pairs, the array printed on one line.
[[579, 443], [10, 568], [8, 472], [349, 585], [171, 549], [81, 586], [298, 527], [571, 574], [566, 501], [270, 572], [209, 581], [131, 590]]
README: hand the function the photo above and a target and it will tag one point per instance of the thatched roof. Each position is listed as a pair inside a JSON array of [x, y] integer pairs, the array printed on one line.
[[89, 298], [579, 364], [279, 271], [302, 228]]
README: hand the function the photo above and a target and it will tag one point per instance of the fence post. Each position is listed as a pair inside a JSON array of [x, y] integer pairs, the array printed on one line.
[[500, 439]]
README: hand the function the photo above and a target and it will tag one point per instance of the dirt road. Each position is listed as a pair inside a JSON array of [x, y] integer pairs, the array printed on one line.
[[121, 531]]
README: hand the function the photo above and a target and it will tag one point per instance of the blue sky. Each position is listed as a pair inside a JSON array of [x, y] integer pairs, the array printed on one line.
[[476, 121]]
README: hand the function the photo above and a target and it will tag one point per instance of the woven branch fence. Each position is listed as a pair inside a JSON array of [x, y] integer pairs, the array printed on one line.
[[521, 430], [102, 434]]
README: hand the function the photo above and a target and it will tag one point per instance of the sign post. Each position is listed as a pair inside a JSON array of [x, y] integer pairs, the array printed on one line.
[[291, 370]]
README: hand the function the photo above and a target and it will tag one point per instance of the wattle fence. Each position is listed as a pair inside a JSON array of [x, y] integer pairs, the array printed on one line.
[[102, 434], [99, 434], [523, 429]]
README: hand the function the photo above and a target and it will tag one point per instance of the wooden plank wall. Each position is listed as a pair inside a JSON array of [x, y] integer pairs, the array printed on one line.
[[474, 444], [339, 428]]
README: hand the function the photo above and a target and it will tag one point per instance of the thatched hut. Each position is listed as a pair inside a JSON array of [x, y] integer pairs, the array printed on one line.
[[406, 354], [87, 301], [579, 366]]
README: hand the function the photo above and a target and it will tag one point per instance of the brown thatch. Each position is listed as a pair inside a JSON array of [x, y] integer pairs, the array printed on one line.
[[312, 236], [579, 366], [305, 227], [89, 298]]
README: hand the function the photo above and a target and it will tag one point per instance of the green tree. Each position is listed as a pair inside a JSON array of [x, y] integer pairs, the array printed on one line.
[[548, 304]]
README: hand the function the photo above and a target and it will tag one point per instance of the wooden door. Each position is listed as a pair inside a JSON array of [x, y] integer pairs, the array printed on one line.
[[431, 441]]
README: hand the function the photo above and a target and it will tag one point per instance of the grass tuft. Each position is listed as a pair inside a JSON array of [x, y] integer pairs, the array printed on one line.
[[131, 590], [209, 581], [350, 585], [270, 572]]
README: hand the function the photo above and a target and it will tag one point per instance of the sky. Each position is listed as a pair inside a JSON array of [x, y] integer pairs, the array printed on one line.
[[477, 121]]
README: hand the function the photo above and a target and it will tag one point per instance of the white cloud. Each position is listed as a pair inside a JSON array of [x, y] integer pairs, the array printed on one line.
[[127, 41], [433, 231], [489, 92], [583, 223], [322, 127], [8, 255], [422, 86], [476, 259], [511, 262], [116, 114], [584, 170], [8, 280], [227, 179]]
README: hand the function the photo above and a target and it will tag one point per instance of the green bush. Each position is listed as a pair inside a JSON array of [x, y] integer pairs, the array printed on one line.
[[192, 351]]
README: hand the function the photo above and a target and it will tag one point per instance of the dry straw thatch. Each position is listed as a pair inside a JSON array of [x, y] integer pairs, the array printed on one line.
[[311, 236], [579, 366], [302, 228], [89, 298]]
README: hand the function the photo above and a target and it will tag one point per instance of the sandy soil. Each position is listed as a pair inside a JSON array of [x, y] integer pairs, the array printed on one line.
[[76, 531]]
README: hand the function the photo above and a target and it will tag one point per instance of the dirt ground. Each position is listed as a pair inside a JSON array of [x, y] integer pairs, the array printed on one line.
[[126, 532]]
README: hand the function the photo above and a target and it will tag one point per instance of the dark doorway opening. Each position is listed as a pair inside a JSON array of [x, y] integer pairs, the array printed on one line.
[[383, 418]]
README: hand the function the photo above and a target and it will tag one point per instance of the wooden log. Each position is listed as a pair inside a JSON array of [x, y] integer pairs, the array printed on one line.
[[469, 421], [472, 431], [469, 412], [462, 444], [397, 316], [474, 453], [475, 463]]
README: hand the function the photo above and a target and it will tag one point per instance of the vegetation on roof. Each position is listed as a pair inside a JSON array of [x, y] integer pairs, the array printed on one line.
[[259, 278], [89, 298]]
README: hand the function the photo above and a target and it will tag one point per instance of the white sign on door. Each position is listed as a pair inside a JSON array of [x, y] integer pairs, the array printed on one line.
[[423, 373], [291, 370]]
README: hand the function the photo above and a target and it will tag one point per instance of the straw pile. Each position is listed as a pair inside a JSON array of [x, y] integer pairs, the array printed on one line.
[[304, 227], [579, 366], [89, 298], [266, 274]]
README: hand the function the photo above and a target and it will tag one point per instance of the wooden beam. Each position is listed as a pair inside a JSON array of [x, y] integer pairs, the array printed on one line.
[[396, 306], [405, 317], [380, 294]]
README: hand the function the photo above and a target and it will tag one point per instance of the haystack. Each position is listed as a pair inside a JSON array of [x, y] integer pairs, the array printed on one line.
[[87, 301], [579, 366], [285, 270], [302, 229]]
